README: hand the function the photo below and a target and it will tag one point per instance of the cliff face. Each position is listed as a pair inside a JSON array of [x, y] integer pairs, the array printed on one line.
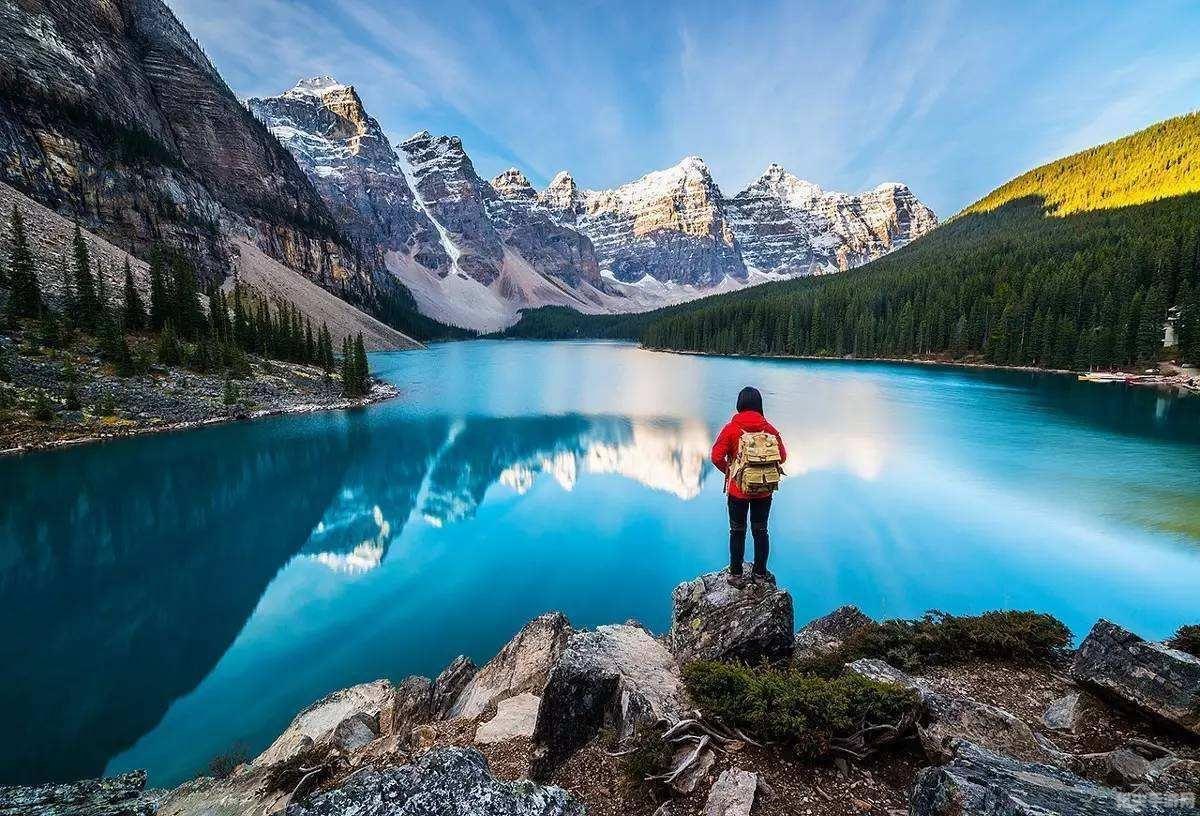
[[349, 160], [785, 225], [109, 111], [669, 225]]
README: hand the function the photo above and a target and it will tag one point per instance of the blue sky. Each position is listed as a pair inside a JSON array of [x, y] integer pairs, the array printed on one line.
[[952, 98]]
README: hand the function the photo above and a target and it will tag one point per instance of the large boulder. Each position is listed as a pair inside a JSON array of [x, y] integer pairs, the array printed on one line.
[[732, 794], [123, 795], [825, 634], [521, 667], [443, 782], [450, 684], [334, 721], [978, 782], [947, 718], [614, 676], [1147, 676], [515, 718], [412, 705], [716, 621]]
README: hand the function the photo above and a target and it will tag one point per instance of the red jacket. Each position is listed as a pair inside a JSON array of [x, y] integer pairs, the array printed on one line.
[[725, 448]]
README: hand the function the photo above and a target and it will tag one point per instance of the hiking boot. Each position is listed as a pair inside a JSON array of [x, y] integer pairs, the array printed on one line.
[[765, 577], [736, 580]]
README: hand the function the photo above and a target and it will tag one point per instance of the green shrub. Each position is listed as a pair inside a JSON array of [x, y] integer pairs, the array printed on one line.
[[803, 711], [72, 398], [1187, 639], [222, 765], [939, 638], [641, 756], [43, 410], [106, 406]]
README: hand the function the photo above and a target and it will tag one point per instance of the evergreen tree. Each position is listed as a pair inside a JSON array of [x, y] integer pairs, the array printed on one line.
[[169, 352], [87, 305], [159, 305], [362, 372], [134, 316], [347, 368], [25, 295], [1150, 327], [184, 298]]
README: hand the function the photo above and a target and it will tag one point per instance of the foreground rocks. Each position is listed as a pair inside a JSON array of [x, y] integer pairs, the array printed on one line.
[[716, 621], [563, 707], [949, 718], [978, 782], [347, 719], [522, 666], [824, 635], [614, 676], [1149, 677], [123, 795], [444, 782]]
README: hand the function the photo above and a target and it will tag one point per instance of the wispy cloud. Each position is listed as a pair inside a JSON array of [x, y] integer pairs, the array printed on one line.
[[948, 96]]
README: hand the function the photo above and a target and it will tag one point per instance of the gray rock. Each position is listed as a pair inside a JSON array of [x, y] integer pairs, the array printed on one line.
[[515, 717], [1121, 767], [1147, 676], [412, 705], [123, 795], [1063, 713], [443, 782], [1124, 767], [978, 782], [1172, 775], [356, 731], [316, 726], [521, 667], [732, 794], [947, 718], [616, 676], [450, 684], [715, 621], [825, 634]]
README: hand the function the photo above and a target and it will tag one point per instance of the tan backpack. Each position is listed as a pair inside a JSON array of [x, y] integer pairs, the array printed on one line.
[[757, 467]]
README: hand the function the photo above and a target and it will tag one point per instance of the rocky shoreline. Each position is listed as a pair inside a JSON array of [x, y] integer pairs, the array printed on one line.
[[161, 400], [545, 728]]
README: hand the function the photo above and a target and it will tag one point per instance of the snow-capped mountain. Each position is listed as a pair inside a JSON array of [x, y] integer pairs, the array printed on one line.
[[785, 225], [349, 160], [474, 253], [669, 225]]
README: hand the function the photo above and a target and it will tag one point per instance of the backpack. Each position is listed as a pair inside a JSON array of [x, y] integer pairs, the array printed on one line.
[[757, 467]]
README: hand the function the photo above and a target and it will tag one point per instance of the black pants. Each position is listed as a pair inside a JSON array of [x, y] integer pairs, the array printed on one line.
[[758, 509]]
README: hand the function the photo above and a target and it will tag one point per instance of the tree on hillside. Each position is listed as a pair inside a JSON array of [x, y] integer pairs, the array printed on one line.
[[159, 306], [362, 370], [25, 295], [134, 316], [86, 304], [1150, 327], [184, 305]]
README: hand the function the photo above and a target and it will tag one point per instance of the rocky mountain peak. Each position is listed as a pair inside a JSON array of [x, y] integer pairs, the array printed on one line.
[[316, 86], [512, 184], [782, 185]]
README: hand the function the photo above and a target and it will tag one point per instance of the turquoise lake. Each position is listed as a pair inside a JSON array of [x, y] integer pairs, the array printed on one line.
[[165, 598]]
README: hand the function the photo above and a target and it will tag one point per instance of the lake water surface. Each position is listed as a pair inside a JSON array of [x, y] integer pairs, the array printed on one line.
[[164, 598]]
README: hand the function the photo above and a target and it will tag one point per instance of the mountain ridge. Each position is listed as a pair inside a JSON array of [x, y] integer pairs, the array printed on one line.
[[503, 246]]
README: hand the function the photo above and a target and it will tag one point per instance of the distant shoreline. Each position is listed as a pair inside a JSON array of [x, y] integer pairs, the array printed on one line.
[[1149, 380], [380, 392]]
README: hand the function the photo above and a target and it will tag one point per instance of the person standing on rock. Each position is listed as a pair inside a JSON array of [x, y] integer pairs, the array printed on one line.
[[750, 452]]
